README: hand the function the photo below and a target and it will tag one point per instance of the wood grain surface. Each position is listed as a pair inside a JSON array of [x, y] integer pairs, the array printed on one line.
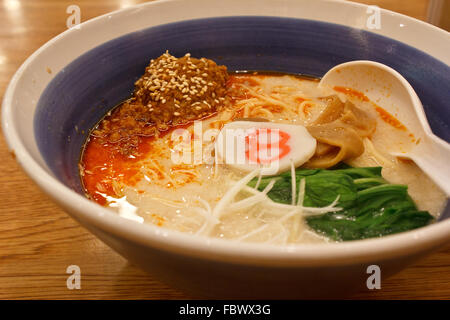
[[38, 241]]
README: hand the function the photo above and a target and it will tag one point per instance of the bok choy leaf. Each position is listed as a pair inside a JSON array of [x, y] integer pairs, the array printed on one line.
[[371, 207]]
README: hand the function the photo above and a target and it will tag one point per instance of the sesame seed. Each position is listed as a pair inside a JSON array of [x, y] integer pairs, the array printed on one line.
[[182, 85]]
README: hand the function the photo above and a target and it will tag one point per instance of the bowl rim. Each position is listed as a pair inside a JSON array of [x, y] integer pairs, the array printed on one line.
[[91, 214]]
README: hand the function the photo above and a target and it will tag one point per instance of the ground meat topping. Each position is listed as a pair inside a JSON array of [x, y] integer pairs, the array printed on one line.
[[173, 91], [178, 90]]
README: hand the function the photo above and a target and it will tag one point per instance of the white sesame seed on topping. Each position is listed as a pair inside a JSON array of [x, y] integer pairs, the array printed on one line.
[[176, 113], [198, 108]]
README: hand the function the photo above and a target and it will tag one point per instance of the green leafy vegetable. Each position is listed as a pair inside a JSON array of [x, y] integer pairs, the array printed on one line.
[[371, 207]]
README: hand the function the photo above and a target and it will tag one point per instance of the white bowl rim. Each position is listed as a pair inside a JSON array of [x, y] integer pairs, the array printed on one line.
[[429, 237]]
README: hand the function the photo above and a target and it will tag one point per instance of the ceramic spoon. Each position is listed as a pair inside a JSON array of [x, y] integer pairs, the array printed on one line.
[[387, 88]]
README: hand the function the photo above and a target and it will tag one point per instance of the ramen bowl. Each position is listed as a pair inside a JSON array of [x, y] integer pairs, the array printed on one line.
[[47, 117]]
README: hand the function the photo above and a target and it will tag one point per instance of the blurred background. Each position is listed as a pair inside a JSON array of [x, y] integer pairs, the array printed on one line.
[[27, 24], [436, 12]]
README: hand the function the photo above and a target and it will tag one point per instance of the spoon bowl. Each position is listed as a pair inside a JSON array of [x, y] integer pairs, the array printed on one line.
[[388, 88]]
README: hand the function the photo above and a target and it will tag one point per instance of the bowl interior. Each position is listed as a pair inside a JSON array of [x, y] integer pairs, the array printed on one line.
[[83, 91]]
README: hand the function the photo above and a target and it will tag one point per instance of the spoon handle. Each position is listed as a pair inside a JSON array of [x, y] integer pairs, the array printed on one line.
[[435, 162]]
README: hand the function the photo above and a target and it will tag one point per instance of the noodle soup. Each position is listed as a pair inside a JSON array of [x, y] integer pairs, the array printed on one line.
[[169, 174]]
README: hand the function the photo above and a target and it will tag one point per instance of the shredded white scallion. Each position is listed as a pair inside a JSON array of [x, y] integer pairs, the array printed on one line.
[[293, 182], [253, 200], [259, 180], [308, 211], [255, 231], [207, 212], [232, 192], [296, 223], [301, 192], [259, 203]]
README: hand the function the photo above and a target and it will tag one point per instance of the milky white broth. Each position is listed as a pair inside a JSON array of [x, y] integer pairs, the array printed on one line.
[[180, 197]]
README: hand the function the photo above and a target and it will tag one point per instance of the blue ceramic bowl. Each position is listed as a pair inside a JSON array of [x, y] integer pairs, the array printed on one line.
[[104, 76], [93, 75]]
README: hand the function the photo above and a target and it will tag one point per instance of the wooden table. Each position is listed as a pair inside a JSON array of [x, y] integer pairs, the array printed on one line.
[[38, 240]]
